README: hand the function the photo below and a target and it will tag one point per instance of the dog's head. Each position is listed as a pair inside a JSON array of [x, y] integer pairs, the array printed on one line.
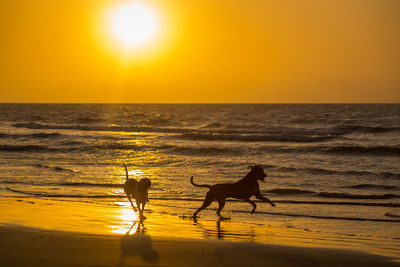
[[144, 183], [258, 172]]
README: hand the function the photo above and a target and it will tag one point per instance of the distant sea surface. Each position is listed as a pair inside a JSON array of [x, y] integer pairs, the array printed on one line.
[[327, 164]]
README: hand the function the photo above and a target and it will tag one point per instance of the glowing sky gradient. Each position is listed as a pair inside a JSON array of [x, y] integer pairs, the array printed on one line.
[[205, 51]]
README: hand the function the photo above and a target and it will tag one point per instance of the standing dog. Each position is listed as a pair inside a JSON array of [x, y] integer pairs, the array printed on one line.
[[138, 191], [242, 189]]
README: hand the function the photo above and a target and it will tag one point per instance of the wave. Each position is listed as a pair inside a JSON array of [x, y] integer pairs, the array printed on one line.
[[340, 203], [276, 191], [306, 215], [375, 150], [216, 149], [325, 217], [34, 125], [56, 168], [84, 119], [208, 150], [63, 195], [352, 196], [321, 171], [186, 150], [159, 121], [72, 146], [33, 135], [372, 186], [213, 125], [255, 138], [72, 143], [365, 129], [119, 146], [45, 135], [216, 128], [388, 214], [340, 150], [72, 184], [107, 185], [26, 148], [292, 191]]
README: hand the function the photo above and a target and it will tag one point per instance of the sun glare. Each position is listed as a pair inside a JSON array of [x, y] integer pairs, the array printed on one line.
[[133, 24]]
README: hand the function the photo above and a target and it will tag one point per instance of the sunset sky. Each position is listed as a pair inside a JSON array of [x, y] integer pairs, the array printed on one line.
[[237, 51]]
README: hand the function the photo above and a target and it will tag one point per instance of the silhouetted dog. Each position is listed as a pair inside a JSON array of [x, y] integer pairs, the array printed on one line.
[[138, 191], [243, 189]]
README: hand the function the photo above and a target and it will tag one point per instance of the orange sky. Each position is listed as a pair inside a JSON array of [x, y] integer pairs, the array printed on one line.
[[206, 51]]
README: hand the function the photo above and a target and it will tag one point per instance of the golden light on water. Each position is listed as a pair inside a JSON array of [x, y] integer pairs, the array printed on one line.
[[126, 218]]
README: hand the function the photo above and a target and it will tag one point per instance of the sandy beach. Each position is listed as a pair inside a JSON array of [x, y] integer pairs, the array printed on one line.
[[59, 233], [21, 246]]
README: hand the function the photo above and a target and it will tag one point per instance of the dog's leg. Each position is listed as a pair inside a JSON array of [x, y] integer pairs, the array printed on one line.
[[139, 209], [207, 201], [143, 205], [252, 203], [130, 200], [262, 198], [221, 204]]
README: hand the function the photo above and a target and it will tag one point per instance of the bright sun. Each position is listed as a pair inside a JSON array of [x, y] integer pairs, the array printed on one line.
[[133, 24]]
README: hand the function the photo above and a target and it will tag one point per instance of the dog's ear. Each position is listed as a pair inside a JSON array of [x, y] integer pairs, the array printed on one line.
[[250, 167]]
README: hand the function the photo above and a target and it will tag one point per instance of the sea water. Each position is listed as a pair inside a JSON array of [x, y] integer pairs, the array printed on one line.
[[332, 168]]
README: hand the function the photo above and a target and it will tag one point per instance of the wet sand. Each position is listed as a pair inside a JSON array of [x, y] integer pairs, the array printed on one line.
[[20, 246], [44, 232]]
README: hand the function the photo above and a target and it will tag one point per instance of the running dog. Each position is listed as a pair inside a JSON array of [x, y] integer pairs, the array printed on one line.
[[138, 191], [242, 189]]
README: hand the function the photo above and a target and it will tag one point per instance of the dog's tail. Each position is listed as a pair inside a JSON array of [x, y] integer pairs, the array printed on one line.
[[199, 185], [126, 171]]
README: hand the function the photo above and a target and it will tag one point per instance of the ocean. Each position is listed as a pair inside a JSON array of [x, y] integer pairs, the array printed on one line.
[[332, 168]]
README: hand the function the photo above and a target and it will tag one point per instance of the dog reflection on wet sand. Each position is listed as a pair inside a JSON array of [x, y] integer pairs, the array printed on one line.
[[139, 244], [245, 234]]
